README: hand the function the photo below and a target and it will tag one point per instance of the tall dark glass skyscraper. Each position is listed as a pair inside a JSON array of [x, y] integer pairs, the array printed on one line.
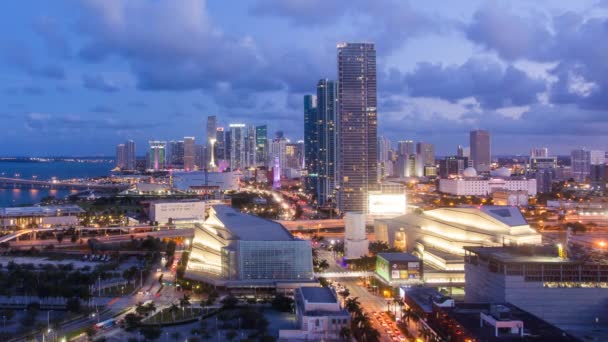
[[327, 97], [310, 142], [261, 145], [357, 125]]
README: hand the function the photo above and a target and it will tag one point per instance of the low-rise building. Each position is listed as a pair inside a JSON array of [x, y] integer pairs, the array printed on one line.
[[40, 216], [165, 212], [562, 291], [203, 182], [517, 198], [439, 236], [399, 268], [479, 186], [319, 315]]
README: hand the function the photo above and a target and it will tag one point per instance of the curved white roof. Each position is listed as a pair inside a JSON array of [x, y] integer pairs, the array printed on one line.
[[469, 172]]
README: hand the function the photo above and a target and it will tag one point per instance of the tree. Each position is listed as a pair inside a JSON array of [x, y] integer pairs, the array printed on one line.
[[73, 304], [345, 333], [151, 333], [132, 321], [282, 303], [59, 237], [229, 302], [425, 333], [231, 335], [173, 309], [353, 306], [74, 238]]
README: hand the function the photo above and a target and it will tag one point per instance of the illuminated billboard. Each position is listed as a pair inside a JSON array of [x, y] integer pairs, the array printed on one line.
[[386, 204]]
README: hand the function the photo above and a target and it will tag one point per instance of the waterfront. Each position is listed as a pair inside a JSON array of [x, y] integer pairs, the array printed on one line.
[[45, 171]]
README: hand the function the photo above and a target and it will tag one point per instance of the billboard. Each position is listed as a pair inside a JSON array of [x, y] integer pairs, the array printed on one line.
[[386, 204]]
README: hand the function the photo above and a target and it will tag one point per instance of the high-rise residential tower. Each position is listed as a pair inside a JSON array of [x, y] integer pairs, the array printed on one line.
[[120, 156], [357, 125], [237, 146], [130, 157], [156, 155], [480, 150], [310, 142], [405, 147], [326, 147]]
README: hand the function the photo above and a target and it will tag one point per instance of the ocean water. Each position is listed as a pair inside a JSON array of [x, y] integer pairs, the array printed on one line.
[[45, 171]]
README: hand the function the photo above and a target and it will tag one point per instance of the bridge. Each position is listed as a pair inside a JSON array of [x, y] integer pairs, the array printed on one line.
[[7, 182]]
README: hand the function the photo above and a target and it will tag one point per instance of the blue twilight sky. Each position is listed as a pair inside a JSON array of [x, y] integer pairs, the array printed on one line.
[[80, 76]]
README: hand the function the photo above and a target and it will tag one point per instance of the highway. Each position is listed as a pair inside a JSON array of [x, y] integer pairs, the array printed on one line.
[[4, 181]]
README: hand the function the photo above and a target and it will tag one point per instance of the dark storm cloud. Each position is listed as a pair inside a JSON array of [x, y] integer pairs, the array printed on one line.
[[575, 43], [99, 83], [491, 84]]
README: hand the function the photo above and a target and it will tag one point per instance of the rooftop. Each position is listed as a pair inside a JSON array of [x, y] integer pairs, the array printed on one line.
[[424, 297], [250, 227], [318, 295], [51, 210], [398, 257], [468, 315], [520, 254]]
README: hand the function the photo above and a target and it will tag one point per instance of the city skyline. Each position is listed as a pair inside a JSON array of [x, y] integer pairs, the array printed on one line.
[[72, 70]]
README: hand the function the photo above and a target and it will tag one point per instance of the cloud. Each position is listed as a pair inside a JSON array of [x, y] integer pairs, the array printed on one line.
[[389, 23], [170, 45], [567, 39], [99, 83], [77, 123], [53, 36], [492, 85], [19, 55], [102, 109]]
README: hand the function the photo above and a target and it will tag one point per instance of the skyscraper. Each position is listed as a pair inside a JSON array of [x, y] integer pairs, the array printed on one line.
[[480, 150], [250, 147], [357, 125], [261, 148], [310, 142], [237, 146], [120, 156], [189, 153], [156, 155], [540, 152], [580, 161], [326, 147], [130, 157], [211, 129], [220, 145], [426, 152], [199, 156], [405, 147]]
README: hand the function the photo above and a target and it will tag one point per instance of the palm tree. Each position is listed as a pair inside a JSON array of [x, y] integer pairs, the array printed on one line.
[[184, 301], [371, 334], [410, 314], [151, 307], [425, 333], [353, 306], [173, 309], [345, 333], [140, 309]]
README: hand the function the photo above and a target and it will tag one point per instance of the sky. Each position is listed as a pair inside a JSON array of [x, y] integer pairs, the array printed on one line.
[[80, 76]]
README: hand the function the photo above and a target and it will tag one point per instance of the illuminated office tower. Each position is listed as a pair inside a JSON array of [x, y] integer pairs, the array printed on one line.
[[237, 146], [357, 125], [189, 153], [156, 155], [310, 143], [480, 150], [261, 145]]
